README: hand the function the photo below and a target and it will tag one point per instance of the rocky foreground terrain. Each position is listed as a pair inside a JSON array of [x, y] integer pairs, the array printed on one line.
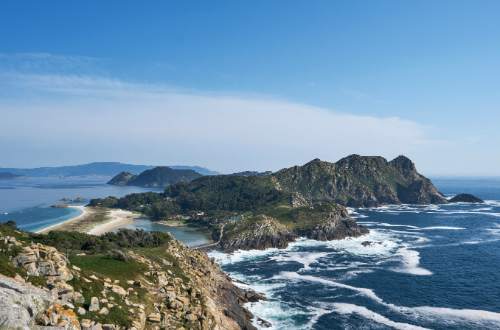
[[128, 280]]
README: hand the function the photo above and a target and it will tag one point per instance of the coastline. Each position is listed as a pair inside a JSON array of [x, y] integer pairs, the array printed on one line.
[[94, 221], [84, 212], [117, 218]]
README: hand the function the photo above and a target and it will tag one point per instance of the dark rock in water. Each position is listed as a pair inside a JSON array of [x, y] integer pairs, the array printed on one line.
[[336, 227], [263, 323], [366, 243], [466, 198]]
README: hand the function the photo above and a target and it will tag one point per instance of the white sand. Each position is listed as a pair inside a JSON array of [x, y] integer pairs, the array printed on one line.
[[82, 215], [117, 219]]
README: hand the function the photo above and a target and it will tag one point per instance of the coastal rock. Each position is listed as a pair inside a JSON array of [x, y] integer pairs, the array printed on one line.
[[259, 232], [20, 303], [466, 198], [58, 316], [94, 304], [41, 260]]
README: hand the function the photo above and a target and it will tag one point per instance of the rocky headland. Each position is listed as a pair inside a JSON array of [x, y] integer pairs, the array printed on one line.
[[275, 208], [124, 280], [160, 177]]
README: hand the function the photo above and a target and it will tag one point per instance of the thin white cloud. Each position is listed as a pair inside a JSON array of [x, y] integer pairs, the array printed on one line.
[[99, 118]]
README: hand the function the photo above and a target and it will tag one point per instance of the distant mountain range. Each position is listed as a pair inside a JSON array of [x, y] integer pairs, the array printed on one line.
[[97, 168], [160, 177], [7, 175]]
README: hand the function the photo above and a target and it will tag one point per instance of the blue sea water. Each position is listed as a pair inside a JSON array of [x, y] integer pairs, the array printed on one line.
[[425, 267], [27, 200]]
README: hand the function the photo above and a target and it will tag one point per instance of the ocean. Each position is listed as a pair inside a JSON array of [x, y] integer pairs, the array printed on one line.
[[420, 267]]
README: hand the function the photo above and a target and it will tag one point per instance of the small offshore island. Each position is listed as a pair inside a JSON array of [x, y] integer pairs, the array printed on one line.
[[81, 275]]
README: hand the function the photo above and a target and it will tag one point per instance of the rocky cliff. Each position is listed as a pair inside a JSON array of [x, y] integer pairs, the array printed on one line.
[[153, 283], [360, 181], [259, 232], [325, 221]]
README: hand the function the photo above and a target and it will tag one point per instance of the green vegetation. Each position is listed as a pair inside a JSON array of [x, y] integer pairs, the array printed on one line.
[[107, 266], [160, 176], [124, 238]]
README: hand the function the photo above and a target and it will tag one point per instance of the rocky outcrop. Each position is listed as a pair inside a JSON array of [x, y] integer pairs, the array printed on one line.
[[320, 222], [334, 225], [20, 303], [259, 232], [466, 198], [46, 261], [173, 287], [360, 181]]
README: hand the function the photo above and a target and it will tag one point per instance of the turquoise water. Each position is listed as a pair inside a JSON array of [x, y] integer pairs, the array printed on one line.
[[426, 267], [27, 200], [190, 236]]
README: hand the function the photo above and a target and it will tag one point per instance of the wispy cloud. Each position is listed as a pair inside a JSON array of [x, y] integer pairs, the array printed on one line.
[[166, 125]]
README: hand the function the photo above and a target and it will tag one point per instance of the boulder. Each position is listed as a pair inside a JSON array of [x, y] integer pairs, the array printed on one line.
[[466, 198]]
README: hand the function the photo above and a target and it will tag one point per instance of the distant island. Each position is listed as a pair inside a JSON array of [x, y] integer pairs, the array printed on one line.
[[159, 177], [97, 168], [7, 175], [261, 210]]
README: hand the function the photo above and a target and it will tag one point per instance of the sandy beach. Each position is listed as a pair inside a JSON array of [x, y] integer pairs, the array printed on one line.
[[95, 221], [84, 213], [117, 219]]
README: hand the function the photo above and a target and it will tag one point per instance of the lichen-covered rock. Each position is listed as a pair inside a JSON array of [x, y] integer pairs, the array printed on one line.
[[20, 303], [42, 260], [58, 316]]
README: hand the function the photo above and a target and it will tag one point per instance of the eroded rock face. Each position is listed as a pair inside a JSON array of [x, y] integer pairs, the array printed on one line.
[[42, 260], [335, 228], [20, 303], [260, 232]]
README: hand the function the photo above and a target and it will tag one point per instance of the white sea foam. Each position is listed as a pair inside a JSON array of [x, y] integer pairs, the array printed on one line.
[[441, 228], [410, 260], [240, 255], [304, 258], [434, 313], [343, 308]]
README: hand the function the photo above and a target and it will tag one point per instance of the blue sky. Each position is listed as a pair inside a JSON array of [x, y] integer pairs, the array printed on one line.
[[373, 77]]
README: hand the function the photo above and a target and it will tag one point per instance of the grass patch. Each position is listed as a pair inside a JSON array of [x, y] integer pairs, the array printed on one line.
[[109, 267]]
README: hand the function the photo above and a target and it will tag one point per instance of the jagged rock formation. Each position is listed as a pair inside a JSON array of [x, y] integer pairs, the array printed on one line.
[[466, 198], [259, 232], [160, 177], [360, 181], [168, 286], [335, 226], [320, 222]]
